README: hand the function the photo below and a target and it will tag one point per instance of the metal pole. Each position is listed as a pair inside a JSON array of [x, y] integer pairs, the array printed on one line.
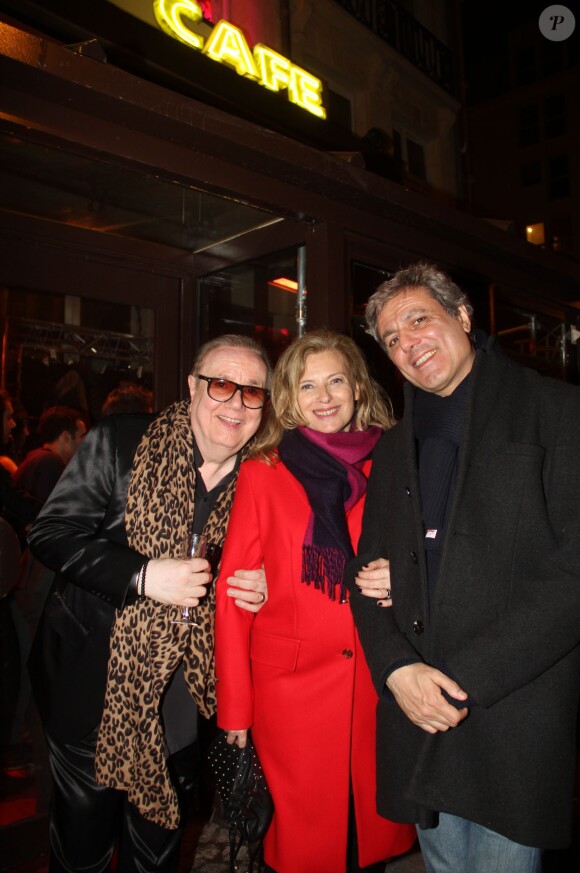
[[301, 293], [491, 302], [533, 335], [564, 356]]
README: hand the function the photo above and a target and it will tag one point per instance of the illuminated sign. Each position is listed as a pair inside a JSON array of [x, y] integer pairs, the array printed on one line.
[[227, 44]]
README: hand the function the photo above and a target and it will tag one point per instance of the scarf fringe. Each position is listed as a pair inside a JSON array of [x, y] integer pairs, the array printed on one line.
[[324, 568]]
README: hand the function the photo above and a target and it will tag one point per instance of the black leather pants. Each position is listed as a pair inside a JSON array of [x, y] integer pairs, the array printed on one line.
[[88, 821]]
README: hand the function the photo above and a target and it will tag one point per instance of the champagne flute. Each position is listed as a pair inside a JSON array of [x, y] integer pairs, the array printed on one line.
[[196, 547]]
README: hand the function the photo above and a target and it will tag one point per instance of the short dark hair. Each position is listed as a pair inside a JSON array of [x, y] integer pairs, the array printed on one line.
[[421, 275], [128, 398], [57, 419]]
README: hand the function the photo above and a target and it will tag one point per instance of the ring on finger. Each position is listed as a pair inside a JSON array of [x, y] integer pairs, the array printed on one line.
[[262, 598], [387, 593]]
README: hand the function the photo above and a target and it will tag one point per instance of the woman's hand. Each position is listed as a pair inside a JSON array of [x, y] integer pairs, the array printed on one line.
[[250, 589], [239, 737], [178, 583], [374, 580]]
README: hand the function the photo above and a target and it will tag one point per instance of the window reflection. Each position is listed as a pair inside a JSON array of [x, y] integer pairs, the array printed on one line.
[[256, 298]]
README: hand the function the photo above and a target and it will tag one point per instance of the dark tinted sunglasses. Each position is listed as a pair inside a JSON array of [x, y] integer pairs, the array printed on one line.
[[223, 390]]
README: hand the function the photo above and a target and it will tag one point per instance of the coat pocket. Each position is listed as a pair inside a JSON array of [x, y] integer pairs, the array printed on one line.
[[275, 651], [64, 622]]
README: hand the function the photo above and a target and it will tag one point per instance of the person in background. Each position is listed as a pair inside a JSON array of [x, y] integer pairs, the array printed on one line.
[[19, 437], [473, 498], [13, 447], [128, 398], [61, 430], [20, 434], [16, 505], [121, 732], [295, 673], [6, 430], [17, 509]]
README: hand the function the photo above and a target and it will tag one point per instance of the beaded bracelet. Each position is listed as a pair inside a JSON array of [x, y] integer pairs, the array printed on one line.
[[141, 580]]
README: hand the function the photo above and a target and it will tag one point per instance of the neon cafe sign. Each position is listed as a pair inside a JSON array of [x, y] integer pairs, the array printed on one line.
[[227, 44]]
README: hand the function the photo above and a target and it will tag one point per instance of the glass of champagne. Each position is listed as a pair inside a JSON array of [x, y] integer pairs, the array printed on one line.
[[196, 547]]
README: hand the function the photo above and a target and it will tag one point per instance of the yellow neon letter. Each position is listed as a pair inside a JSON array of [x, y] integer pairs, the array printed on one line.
[[227, 44], [273, 68], [168, 14], [305, 90]]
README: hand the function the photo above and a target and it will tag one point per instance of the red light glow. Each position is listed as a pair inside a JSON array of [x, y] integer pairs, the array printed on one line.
[[285, 284]]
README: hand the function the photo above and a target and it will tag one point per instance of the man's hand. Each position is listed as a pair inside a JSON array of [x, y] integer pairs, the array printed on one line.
[[250, 591], [417, 689], [239, 737], [374, 580], [179, 583]]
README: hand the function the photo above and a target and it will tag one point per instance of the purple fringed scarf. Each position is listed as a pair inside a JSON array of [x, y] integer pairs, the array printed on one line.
[[328, 466]]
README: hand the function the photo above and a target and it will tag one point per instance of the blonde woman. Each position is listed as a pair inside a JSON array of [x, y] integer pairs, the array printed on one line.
[[296, 674]]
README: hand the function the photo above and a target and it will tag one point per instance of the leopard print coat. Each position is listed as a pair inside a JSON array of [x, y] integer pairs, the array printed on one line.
[[146, 647]]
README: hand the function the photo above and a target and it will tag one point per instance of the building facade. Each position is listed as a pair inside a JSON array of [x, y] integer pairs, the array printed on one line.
[[535, 108], [153, 196]]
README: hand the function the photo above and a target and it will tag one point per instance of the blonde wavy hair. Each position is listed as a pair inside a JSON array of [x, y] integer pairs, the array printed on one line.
[[372, 408]]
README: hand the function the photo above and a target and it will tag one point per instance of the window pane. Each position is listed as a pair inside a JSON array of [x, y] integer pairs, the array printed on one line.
[[416, 159], [555, 116], [529, 129], [535, 234], [365, 281], [559, 183], [71, 351], [534, 339], [256, 298], [562, 239], [531, 174], [526, 66]]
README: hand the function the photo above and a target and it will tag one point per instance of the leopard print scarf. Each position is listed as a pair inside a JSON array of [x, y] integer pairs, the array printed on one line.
[[146, 648]]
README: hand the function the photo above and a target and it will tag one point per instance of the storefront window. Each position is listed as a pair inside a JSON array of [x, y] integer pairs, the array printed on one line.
[[72, 351], [535, 339], [57, 350], [256, 298]]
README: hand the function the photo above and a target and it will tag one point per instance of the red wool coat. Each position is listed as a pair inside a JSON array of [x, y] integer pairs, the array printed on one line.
[[295, 673]]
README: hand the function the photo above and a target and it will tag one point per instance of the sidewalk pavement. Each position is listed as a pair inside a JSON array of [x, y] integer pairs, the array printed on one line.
[[212, 853]]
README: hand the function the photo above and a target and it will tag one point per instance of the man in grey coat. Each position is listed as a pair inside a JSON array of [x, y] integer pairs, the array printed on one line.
[[474, 497]]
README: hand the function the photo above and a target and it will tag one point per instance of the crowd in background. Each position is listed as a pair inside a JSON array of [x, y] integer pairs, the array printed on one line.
[[33, 455]]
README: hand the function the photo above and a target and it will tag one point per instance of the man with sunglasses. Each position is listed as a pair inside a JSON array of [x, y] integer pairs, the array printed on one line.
[[118, 678]]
